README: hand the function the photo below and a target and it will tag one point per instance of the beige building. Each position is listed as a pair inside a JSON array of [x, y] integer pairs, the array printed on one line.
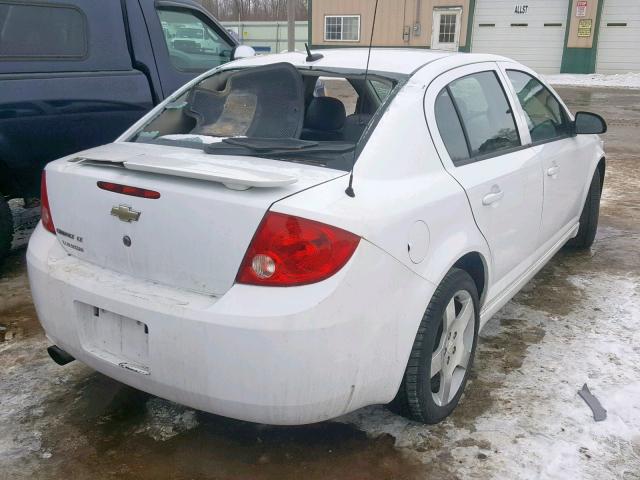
[[399, 23], [551, 36]]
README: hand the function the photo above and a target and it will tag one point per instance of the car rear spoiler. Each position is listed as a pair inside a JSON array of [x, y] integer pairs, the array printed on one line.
[[232, 177]]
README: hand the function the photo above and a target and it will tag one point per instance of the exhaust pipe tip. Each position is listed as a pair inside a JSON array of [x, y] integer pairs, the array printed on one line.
[[59, 356]]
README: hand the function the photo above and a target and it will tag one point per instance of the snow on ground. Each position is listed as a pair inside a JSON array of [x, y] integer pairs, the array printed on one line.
[[166, 419], [538, 410], [622, 80]]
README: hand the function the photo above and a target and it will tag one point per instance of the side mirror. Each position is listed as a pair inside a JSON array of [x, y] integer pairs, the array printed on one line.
[[242, 51], [589, 123]]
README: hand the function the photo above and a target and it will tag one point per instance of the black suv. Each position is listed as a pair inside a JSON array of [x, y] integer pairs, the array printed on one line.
[[75, 74]]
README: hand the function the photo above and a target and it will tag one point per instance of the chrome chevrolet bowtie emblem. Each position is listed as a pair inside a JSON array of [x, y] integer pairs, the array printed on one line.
[[125, 213]]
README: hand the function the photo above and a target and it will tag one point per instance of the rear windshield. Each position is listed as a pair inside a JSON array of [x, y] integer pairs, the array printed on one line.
[[274, 111]]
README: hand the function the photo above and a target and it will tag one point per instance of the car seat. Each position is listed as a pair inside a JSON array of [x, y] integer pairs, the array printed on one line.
[[324, 119]]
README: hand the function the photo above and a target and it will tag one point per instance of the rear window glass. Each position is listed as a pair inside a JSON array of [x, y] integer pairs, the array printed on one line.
[[272, 111], [41, 31], [382, 89]]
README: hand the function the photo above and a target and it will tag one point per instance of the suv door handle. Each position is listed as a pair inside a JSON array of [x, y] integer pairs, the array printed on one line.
[[553, 170], [494, 196]]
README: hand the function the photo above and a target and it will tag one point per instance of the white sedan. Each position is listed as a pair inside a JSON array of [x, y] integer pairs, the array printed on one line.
[[250, 249]]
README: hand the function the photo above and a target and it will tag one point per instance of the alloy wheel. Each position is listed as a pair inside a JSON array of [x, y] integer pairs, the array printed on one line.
[[452, 352]]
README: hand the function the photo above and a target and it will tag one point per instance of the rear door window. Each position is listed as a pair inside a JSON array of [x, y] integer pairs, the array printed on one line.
[[451, 129], [487, 120], [545, 116], [193, 45], [33, 31]]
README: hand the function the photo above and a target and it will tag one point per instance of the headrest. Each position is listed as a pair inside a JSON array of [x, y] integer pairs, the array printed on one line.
[[325, 113]]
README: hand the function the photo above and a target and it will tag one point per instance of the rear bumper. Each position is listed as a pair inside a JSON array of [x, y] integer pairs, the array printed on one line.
[[270, 355]]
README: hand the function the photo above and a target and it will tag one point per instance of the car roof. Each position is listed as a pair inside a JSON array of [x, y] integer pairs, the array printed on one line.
[[404, 61]]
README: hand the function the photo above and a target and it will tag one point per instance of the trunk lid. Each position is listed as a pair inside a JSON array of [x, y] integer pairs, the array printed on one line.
[[195, 235]]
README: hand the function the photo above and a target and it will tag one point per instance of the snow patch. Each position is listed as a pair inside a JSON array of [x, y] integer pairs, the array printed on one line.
[[166, 419], [537, 426], [622, 80], [24, 221]]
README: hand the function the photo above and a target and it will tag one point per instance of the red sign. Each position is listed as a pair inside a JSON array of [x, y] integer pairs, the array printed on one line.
[[581, 8]]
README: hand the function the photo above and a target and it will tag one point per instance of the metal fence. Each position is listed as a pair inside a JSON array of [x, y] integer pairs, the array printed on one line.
[[268, 37]]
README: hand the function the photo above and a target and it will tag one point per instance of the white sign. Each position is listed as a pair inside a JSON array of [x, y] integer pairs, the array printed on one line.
[[581, 8]]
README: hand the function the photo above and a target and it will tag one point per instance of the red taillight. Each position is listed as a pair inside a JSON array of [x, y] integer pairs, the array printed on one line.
[[45, 211], [288, 250], [127, 190]]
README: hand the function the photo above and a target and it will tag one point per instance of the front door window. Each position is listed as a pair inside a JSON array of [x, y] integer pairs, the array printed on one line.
[[545, 117]]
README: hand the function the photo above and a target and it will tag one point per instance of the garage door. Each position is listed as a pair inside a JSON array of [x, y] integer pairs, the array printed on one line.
[[619, 38], [530, 32]]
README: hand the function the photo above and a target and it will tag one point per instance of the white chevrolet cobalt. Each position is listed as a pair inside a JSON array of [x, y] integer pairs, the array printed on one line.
[[255, 248]]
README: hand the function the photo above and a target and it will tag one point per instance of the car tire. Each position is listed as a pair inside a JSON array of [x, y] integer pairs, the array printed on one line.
[[423, 396], [589, 216], [6, 228]]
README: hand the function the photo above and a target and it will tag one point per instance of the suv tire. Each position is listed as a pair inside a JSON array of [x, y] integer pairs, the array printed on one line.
[[6, 228]]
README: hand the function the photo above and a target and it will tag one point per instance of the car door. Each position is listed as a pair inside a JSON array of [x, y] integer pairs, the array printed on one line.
[[186, 40], [562, 154], [481, 144]]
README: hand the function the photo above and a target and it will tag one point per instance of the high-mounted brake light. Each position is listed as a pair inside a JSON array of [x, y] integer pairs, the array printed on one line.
[[45, 210], [288, 251], [127, 190]]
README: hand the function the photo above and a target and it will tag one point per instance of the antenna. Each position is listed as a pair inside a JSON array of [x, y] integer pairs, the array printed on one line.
[[312, 57], [349, 191]]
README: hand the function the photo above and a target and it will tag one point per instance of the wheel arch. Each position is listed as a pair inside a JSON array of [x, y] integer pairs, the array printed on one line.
[[602, 166], [475, 264]]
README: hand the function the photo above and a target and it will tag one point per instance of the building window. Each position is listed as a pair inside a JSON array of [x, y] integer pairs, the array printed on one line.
[[41, 31], [447, 32], [342, 28]]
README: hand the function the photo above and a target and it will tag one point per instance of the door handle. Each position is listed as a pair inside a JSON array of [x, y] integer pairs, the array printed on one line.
[[492, 197], [553, 170]]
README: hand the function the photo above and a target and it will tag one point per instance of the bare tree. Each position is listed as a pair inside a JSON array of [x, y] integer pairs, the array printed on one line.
[[256, 10]]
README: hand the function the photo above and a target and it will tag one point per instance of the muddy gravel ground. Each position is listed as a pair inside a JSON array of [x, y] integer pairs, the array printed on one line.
[[576, 322]]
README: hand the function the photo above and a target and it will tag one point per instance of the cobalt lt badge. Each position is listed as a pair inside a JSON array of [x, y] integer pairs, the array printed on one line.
[[125, 213]]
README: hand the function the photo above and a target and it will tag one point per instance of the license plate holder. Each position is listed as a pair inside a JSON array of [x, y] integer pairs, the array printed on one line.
[[117, 339]]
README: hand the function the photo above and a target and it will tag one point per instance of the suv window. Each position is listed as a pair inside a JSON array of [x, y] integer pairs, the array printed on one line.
[[487, 120], [193, 45], [41, 31], [545, 117]]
